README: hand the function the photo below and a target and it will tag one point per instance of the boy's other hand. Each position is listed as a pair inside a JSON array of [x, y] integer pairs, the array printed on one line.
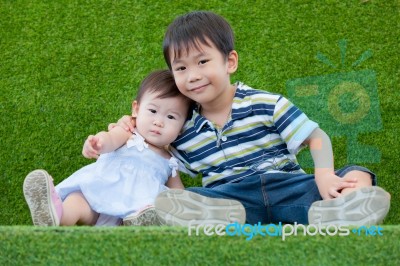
[[331, 185], [126, 122]]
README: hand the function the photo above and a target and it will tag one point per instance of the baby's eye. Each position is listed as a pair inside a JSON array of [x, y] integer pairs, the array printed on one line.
[[171, 117], [153, 111]]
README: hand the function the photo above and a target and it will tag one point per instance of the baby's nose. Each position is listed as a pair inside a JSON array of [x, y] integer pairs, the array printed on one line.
[[158, 123]]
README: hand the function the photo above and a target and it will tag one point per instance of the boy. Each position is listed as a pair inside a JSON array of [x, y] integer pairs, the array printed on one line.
[[243, 142]]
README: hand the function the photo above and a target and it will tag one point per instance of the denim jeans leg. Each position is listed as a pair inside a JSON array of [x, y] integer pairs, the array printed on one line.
[[275, 197], [247, 191], [270, 198], [289, 196]]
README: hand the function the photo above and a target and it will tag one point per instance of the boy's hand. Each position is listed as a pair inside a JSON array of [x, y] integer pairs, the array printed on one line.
[[92, 147], [331, 185], [126, 122]]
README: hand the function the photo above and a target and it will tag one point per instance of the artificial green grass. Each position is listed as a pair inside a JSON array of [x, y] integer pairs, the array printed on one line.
[[68, 68], [22, 245]]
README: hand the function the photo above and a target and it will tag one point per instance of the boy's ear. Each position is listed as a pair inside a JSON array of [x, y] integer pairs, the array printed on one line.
[[233, 59], [135, 108]]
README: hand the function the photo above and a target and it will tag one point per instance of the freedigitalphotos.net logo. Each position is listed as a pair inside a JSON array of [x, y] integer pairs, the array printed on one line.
[[283, 231], [345, 104]]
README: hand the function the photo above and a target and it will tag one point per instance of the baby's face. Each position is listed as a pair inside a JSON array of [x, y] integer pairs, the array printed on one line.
[[158, 120]]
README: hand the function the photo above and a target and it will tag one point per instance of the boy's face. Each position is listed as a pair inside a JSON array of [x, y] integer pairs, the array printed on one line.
[[158, 120], [203, 74]]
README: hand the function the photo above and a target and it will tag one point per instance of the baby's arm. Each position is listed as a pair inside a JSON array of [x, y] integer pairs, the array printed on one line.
[[104, 142], [329, 185], [175, 182]]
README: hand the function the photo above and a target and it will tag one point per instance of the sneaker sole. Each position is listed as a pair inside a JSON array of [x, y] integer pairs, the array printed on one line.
[[43, 212], [183, 208], [365, 206], [148, 217]]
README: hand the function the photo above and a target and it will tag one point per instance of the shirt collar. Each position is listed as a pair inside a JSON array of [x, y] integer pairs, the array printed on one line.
[[241, 107]]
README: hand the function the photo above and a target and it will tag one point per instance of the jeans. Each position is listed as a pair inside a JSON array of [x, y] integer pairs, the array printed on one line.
[[275, 197]]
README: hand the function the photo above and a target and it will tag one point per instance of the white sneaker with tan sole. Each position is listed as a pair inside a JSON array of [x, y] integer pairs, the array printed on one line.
[[365, 206], [182, 207]]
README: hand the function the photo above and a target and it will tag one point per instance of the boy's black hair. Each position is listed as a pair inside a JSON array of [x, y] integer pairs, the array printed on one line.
[[196, 27]]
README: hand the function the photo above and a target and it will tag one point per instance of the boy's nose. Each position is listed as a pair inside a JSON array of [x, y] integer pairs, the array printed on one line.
[[194, 76], [158, 123]]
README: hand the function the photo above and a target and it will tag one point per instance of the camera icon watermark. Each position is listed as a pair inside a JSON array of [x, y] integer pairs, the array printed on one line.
[[344, 104]]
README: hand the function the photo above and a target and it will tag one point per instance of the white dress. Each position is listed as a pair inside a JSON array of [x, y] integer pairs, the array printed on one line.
[[123, 181]]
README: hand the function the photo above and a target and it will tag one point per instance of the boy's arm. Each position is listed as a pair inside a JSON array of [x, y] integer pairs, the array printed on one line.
[[126, 122], [329, 185], [104, 142], [175, 182]]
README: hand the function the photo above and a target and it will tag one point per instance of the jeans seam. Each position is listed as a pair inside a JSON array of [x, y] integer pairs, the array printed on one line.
[[263, 182]]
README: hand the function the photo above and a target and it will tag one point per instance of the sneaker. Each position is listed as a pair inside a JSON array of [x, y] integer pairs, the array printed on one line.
[[183, 208], [365, 206], [144, 217], [44, 203]]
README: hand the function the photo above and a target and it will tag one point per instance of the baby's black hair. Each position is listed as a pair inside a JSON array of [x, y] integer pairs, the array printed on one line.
[[163, 84]]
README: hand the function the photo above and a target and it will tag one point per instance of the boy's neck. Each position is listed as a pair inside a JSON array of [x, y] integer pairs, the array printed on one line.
[[219, 111]]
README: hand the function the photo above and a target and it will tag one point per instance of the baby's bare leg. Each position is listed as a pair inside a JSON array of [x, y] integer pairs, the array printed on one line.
[[76, 210]]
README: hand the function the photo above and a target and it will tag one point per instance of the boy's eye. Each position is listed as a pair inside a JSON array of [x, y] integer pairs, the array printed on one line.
[[202, 62], [171, 117], [153, 111]]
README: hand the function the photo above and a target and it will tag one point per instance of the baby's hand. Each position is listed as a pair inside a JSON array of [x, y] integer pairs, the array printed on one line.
[[92, 147], [127, 122], [331, 185]]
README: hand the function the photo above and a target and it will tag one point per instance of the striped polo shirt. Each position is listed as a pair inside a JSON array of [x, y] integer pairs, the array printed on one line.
[[263, 135]]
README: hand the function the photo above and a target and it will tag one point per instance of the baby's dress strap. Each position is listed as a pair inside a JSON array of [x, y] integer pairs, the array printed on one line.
[[173, 164], [136, 140]]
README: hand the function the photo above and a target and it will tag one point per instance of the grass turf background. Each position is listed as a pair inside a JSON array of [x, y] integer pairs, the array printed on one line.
[[148, 246], [68, 68]]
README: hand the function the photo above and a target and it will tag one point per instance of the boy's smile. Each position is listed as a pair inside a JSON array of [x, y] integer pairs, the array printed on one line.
[[199, 89]]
